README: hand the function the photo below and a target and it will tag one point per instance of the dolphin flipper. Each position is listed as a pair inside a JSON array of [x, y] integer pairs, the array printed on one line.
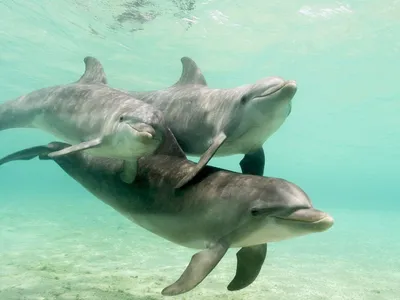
[[253, 163], [201, 264], [249, 263], [75, 148], [129, 171], [204, 159], [170, 145]]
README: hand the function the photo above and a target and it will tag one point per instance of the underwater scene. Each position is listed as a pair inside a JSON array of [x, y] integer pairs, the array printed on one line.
[[199, 149]]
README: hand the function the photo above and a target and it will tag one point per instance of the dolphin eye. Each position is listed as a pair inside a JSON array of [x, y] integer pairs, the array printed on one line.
[[121, 118], [255, 212], [244, 100]]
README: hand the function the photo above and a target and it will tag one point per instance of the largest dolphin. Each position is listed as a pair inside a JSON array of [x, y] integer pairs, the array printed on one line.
[[215, 211], [211, 122], [93, 117]]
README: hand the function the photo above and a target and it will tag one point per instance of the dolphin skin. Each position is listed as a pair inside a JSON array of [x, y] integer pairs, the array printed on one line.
[[211, 122], [91, 116], [215, 211]]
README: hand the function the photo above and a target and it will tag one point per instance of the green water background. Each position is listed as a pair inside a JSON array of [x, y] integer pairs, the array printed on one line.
[[342, 138], [340, 144]]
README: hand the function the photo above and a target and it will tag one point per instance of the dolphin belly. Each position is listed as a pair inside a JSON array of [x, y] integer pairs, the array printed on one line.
[[180, 230], [71, 131], [253, 138]]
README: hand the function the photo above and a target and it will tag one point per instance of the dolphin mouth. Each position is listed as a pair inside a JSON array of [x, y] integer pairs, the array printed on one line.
[[143, 131], [289, 83], [317, 219]]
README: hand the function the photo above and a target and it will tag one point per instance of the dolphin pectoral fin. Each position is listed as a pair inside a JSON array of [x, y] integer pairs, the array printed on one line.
[[170, 145], [249, 263], [253, 163], [201, 264], [75, 148], [204, 159], [129, 171]]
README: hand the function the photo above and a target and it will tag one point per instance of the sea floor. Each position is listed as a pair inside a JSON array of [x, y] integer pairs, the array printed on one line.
[[82, 249]]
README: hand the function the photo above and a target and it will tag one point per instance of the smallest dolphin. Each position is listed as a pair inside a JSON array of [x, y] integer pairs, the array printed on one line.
[[91, 116]]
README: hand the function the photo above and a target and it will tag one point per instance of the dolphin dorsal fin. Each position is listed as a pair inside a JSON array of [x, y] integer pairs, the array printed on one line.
[[191, 74], [94, 72]]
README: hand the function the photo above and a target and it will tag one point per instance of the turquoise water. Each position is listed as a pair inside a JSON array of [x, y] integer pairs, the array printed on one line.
[[340, 143]]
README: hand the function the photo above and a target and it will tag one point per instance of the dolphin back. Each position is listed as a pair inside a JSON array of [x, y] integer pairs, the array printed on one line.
[[21, 112]]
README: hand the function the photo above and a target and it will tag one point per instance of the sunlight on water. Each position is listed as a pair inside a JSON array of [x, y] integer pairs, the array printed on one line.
[[340, 142]]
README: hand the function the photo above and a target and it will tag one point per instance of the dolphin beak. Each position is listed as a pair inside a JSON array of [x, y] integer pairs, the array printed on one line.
[[144, 131], [275, 86], [315, 219], [289, 87]]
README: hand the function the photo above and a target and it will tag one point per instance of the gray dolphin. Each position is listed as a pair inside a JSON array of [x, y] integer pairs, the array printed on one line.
[[92, 116], [215, 211], [219, 122]]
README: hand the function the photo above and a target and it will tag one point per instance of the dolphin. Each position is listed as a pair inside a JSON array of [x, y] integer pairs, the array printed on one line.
[[91, 116], [217, 210], [219, 122]]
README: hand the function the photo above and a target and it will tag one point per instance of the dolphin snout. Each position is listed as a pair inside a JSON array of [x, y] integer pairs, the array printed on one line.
[[289, 88], [325, 223], [274, 84], [318, 220], [144, 130]]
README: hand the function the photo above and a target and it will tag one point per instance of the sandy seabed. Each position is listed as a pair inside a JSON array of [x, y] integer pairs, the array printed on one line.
[[71, 250]]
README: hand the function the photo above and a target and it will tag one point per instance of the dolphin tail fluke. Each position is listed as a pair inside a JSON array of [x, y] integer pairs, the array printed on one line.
[[29, 153], [26, 154]]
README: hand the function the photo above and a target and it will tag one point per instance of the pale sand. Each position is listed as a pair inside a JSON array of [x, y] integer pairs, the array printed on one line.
[[87, 251]]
